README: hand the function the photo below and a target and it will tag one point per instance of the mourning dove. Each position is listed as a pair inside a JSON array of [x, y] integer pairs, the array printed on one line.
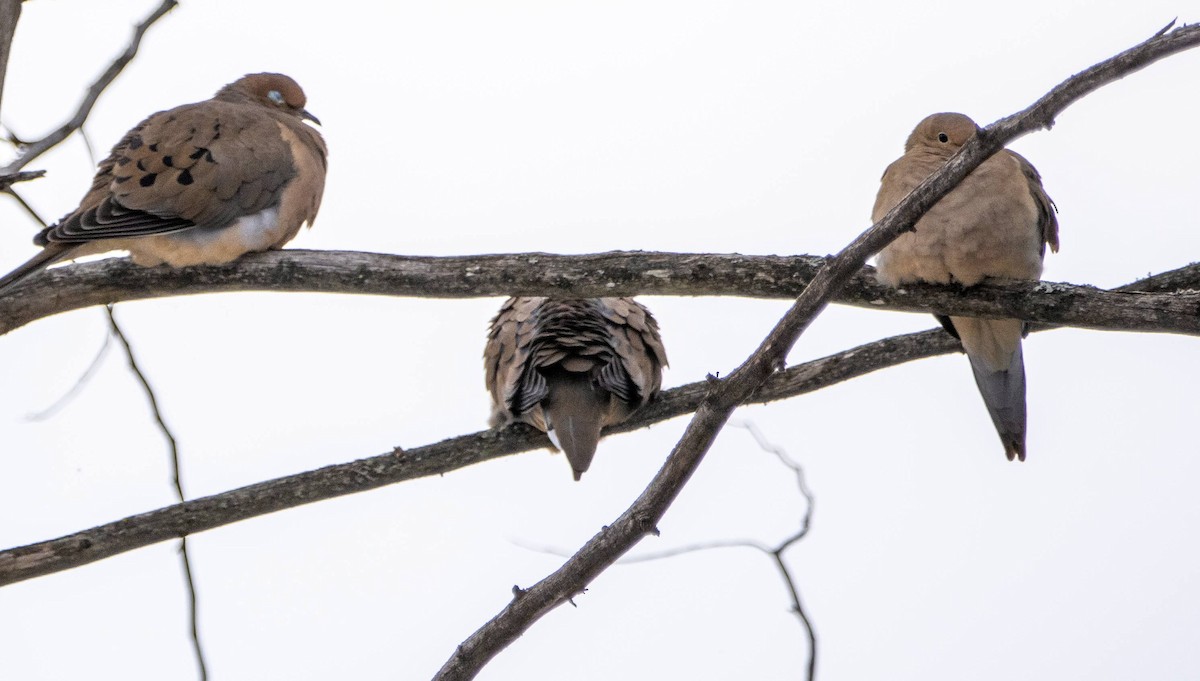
[[570, 366], [202, 183], [996, 223]]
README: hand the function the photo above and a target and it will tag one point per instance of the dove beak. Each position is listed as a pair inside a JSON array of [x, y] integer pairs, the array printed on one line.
[[305, 115]]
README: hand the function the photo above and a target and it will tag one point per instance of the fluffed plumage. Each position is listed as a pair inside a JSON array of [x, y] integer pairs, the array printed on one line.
[[571, 366], [996, 223], [202, 183]]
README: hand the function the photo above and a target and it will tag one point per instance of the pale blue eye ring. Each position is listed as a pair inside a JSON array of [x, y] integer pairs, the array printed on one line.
[[275, 96]]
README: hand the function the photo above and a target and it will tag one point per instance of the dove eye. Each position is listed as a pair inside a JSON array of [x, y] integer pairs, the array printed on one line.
[[943, 137], [275, 96]]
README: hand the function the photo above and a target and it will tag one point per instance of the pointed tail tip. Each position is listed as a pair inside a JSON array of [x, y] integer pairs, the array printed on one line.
[[577, 473], [1015, 451]]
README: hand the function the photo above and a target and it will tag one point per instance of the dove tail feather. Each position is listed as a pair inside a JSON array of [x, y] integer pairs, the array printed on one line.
[[574, 412], [1004, 394], [47, 256]]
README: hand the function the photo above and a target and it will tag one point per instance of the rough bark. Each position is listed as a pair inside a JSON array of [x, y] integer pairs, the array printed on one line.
[[617, 273]]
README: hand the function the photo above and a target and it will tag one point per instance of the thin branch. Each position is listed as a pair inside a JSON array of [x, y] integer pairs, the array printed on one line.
[[193, 610], [653, 556], [604, 274], [797, 607], [172, 443], [775, 553], [801, 482], [87, 145], [173, 446], [25, 204], [87, 546], [697, 547], [8, 180], [35, 149], [205, 513], [75, 389], [641, 518]]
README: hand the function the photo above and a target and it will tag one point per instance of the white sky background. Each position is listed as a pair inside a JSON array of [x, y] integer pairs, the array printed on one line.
[[471, 127]]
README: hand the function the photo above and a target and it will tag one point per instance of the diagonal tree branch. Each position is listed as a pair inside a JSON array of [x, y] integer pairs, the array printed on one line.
[[641, 518], [615, 273], [204, 513], [32, 150], [87, 546]]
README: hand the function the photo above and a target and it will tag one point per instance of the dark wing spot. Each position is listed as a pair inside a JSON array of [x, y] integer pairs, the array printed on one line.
[[148, 180], [168, 161], [135, 142], [185, 177], [202, 153], [154, 147], [141, 166]]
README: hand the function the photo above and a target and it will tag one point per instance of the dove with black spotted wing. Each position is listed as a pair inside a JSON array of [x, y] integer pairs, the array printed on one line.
[[996, 223], [202, 183], [571, 366]]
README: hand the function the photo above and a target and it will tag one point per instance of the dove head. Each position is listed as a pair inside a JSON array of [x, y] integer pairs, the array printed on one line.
[[943, 133], [272, 90]]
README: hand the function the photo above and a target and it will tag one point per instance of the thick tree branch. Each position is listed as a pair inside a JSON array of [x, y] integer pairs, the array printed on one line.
[[613, 273], [641, 518], [33, 150], [87, 546]]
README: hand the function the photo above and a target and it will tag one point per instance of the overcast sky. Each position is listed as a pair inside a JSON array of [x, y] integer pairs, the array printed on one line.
[[570, 127]]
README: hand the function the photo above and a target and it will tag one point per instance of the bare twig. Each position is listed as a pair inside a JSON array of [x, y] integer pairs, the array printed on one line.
[[172, 443], [603, 274], [173, 446], [82, 381], [8, 180], [87, 145], [775, 553], [641, 518], [34, 560], [35, 149], [801, 482]]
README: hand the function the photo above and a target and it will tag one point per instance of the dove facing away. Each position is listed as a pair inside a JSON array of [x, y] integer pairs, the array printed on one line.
[[996, 223], [202, 183], [570, 366]]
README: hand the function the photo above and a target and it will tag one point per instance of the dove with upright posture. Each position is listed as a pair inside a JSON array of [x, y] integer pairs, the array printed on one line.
[[570, 366], [202, 183], [996, 223]]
